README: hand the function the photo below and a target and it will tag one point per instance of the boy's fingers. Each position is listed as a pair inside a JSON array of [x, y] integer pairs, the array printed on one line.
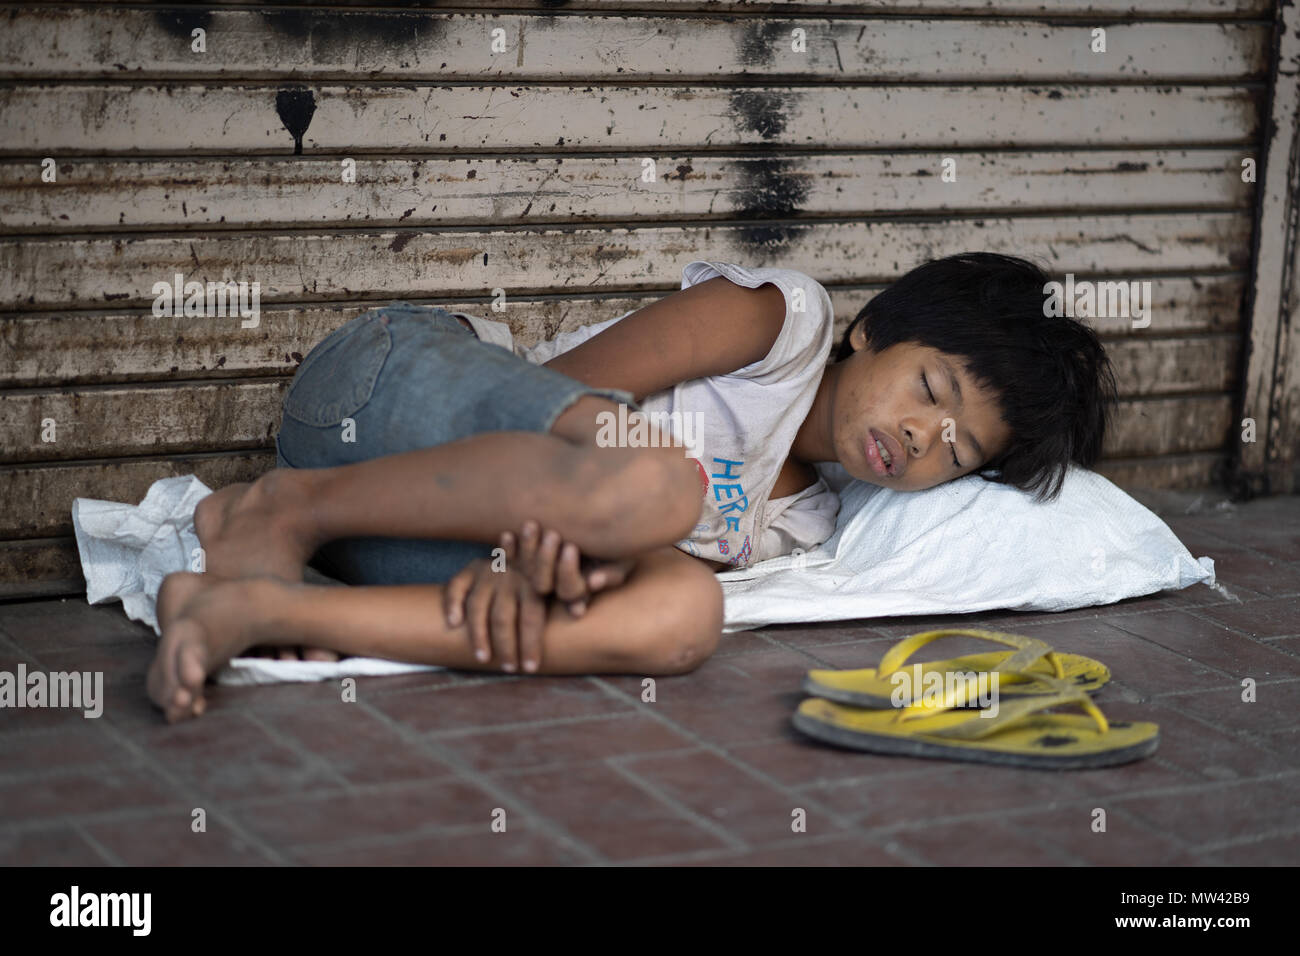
[[610, 574], [453, 597], [569, 585], [528, 546], [507, 542], [478, 606], [543, 577], [505, 637], [532, 625]]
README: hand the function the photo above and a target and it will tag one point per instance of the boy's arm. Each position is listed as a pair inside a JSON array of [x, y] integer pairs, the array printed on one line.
[[711, 328]]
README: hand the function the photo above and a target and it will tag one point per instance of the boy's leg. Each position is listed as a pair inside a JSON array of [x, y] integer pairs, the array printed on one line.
[[665, 619], [610, 502]]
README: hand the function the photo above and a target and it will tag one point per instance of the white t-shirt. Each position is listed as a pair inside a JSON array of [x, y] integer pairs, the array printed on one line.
[[745, 421]]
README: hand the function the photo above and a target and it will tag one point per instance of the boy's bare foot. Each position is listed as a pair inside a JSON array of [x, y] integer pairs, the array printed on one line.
[[205, 621], [257, 529]]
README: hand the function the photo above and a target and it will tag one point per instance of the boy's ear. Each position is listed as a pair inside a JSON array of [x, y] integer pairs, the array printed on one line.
[[858, 336]]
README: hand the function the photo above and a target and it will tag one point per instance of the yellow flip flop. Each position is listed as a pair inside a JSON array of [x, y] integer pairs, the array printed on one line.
[[1019, 735], [1019, 672]]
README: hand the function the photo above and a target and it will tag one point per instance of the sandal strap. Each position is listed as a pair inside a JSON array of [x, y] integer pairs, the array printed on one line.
[[1029, 650], [1010, 712]]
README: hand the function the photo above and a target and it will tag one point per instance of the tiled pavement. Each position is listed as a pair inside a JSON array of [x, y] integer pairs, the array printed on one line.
[[582, 771]]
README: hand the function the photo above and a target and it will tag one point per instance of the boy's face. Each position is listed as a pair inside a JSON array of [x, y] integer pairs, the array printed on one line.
[[882, 393]]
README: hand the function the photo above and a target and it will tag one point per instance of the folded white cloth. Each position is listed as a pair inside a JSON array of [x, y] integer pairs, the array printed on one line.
[[968, 545], [127, 550]]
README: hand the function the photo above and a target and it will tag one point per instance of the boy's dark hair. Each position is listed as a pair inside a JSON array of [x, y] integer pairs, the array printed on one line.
[[1055, 385]]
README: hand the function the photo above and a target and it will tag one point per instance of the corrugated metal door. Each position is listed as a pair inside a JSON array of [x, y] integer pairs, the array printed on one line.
[[564, 165]]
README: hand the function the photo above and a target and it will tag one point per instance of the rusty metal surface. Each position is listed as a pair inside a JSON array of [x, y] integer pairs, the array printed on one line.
[[98, 272], [416, 45], [223, 193], [130, 119], [522, 171], [93, 348]]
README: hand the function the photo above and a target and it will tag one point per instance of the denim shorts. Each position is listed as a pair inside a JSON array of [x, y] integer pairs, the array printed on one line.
[[410, 377]]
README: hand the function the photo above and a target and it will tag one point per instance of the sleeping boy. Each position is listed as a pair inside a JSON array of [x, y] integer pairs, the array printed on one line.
[[416, 442]]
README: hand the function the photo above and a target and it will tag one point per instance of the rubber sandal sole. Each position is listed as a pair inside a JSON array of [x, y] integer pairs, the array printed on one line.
[[1043, 741]]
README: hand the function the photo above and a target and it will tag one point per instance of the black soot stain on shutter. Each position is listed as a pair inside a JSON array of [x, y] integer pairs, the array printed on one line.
[[374, 42], [296, 108], [768, 188], [758, 41], [181, 23]]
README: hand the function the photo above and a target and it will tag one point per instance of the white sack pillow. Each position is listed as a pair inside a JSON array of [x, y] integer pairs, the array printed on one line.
[[964, 546]]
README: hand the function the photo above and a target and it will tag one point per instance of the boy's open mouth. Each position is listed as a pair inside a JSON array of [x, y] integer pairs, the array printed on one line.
[[884, 454]]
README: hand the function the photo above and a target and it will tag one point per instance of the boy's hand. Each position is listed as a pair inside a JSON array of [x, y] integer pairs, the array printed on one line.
[[553, 565], [505, 614]]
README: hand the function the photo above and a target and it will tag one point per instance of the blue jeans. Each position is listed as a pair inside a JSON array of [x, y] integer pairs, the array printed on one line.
[[400, 378]]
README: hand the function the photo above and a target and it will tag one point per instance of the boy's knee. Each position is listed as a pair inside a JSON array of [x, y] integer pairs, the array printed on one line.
[[695, 623]]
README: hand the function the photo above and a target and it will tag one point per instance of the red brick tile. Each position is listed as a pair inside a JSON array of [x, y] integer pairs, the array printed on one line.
[[1203, 752], [60, 795], [562, 744], [273, 699], [600, 807], [1271, 851], [950, 789], [228, 757], [1281, 544], [1212, 814], [360, 746], [1212, 644], [744, 805], [798, 761], [900, 627], [1272, 617], [1276, 706], [814, 635], [515, 847], [1153, 773], [1201, 595], [61, 846], [741, 642], [167, 839], [1284, 743], [1136, 663], [79, 745], [119, 663], [331, 815], [1239, 567], [982, 843], [497, 701], [1123, 843], [67, 623], [1200, 535], [845, 849], [731, 700]]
